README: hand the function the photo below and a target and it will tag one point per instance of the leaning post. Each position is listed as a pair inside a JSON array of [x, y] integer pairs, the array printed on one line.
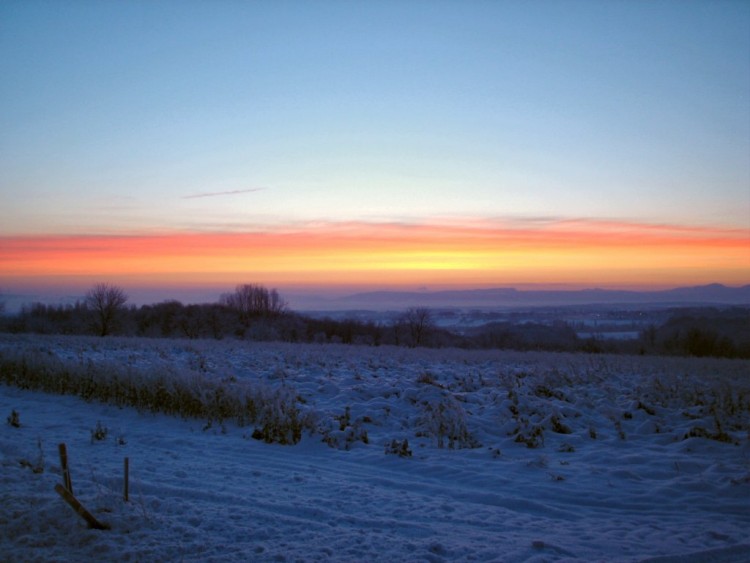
[[62, 448]]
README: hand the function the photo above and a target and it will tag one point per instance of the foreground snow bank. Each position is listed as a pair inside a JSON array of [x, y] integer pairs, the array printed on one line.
[[543, 457]]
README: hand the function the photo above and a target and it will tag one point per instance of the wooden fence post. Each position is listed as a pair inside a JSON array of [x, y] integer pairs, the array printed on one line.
[[65, 469], [127, 476]]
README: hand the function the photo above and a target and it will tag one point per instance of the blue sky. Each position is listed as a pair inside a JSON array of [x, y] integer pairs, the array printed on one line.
[[111, 113]]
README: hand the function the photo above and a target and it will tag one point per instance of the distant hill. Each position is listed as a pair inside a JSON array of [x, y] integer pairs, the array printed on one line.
[[505, 297]]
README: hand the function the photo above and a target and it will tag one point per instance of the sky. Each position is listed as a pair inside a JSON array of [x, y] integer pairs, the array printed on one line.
[[374, 144]]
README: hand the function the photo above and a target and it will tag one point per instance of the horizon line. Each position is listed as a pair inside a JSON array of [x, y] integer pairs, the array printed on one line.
[[343, 292]]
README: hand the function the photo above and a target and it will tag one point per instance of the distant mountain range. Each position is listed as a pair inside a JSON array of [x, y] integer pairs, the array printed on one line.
[[713, 294]]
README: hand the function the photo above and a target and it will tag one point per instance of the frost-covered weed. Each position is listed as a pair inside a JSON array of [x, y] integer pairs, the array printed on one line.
[[279, 417], [99, 433], [446, 421], [346, 432], [14, 419], [558, 426], [36, 466], [455, 398], [530, 434], [160, 389], [398, 447], [427, 378], [720, 401]]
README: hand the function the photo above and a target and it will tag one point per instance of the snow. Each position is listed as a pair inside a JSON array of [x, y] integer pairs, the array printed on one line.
[[636, 477]]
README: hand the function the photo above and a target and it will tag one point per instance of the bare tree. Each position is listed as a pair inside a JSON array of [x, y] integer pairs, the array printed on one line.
[[250, 300], [105, 301], [418, 322]]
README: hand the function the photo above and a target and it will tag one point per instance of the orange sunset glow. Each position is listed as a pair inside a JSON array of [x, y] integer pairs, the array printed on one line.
[[372, 145], [391, 255]]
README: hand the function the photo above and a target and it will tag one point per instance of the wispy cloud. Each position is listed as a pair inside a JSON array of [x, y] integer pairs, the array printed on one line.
[[220, 194]]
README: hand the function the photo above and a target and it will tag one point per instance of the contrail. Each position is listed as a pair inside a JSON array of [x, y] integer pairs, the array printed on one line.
[[216, 194]]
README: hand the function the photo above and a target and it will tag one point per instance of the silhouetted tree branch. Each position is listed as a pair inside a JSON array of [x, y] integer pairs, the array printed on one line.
[[105, 301], [250, 300], [418, 322]]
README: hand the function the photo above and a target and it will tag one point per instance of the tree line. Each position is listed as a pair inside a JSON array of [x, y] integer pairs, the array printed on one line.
[[250, 312], [254, 312]]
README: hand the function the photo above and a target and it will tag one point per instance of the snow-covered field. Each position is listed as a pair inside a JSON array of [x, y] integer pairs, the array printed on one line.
[[544, 457]]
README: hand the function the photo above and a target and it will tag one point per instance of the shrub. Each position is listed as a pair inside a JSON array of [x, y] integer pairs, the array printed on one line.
[[559, 427], [276, 412], [399, 448], [447, 420], [532, 436], [280, 419], [348, 432], [99, 433], [14, 419]]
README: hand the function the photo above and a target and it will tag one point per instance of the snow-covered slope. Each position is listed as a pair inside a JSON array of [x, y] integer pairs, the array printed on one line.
[[627, 462]]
